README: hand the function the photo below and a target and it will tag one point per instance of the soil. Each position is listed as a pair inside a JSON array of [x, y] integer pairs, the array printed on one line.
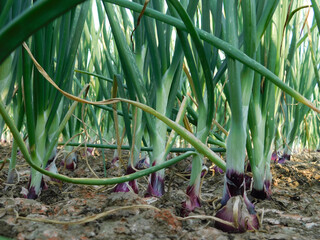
[[67, 211]]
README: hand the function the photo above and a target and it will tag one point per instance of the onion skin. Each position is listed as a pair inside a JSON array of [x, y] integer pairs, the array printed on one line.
[[143, 163], [285, 157], [237, 208], [115, 162], [156, 185], [236, 212], [192, 202], [32, 193], [52, 168], [235, 185], [70, 162], [263, 194], [123, 187], [274, 156]]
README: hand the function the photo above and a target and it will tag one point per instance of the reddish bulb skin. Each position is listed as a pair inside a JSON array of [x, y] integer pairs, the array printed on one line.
[[284, 158], [246, 221], [191, 203], [155, 186], [115, 162], [274, 156], [143, 163], [218, 170], [236, 189], [123, 187], [71, 166], [32, 194], [263, 194], [90, 151], [71, 162], [235, 185]]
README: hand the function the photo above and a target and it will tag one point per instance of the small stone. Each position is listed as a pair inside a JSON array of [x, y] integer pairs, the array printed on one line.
[[279, 236], [311, 225], [90, 234]]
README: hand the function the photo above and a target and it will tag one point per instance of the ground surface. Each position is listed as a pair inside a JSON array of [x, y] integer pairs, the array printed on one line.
[[292, 213]]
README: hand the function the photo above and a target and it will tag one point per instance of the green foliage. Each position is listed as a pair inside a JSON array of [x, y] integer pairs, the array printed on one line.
[[250, 71]]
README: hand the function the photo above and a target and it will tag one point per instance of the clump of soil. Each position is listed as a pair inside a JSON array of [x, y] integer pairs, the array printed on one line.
[[67, 211]]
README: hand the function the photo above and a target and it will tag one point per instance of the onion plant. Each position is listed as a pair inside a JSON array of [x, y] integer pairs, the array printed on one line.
[[203, 98], [43, 105], [161, 77], [135, 86], [264, 105], [240, 63], [234, 179], [304, 72], [262, 123]]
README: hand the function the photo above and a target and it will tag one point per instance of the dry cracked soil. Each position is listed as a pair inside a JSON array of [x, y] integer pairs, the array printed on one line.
[[67, 211]]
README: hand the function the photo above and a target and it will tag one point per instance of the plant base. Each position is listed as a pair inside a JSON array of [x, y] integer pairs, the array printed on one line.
[[192, 202]]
